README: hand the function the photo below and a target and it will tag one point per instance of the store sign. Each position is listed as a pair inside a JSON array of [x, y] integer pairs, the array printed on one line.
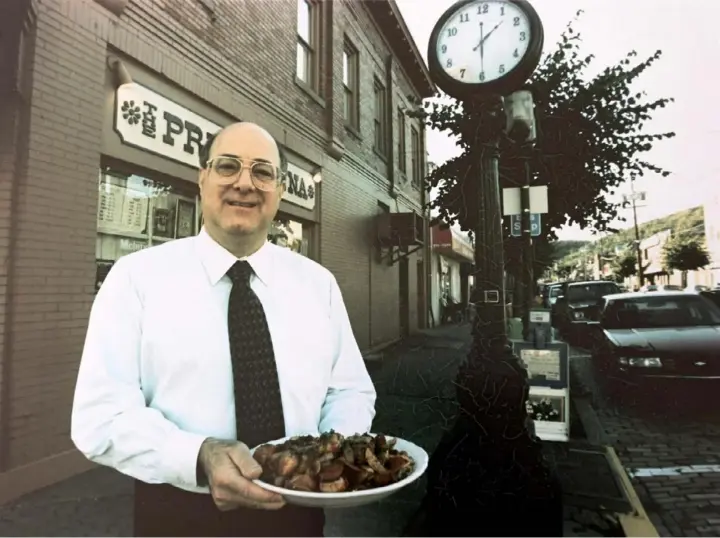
[[132, 245], [299, 187], [148, 121]]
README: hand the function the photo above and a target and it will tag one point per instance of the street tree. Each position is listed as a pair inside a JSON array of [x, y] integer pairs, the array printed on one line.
[[592, 133], [685, 254], [625, 265]]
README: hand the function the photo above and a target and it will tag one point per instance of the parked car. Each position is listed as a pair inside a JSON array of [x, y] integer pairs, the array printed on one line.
[[660, 287], [713, 295], [577, 302], [550, 293], [641, 338], [697, 288]]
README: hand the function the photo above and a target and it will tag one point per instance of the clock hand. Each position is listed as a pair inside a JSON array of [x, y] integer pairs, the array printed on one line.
[[491, 31], [481, 38]]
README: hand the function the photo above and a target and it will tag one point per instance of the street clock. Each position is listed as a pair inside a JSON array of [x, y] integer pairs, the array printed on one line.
[[485, 47]]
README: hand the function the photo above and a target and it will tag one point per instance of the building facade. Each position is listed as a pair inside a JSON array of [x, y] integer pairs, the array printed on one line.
[[109, 102], [711, 212], [452, 259]]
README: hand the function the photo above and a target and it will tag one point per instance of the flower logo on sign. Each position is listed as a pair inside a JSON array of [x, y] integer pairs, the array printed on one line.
[[130, 112]]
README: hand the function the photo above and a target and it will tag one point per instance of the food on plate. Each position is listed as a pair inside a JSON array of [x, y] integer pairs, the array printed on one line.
[[332, 463]]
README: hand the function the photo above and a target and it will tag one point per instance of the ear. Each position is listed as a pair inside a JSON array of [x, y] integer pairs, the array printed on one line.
[[202, 177]]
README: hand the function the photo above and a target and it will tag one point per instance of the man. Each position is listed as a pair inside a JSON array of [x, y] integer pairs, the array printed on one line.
[[202, 348]]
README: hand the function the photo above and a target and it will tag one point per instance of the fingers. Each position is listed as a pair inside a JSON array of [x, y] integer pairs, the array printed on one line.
[[226, 506], [241, 456], [256, 494]]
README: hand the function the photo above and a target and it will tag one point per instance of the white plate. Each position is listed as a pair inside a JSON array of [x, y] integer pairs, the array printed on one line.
[[353, 498]]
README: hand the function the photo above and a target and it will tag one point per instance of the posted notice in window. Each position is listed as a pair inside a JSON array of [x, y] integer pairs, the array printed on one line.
[[542, 363]]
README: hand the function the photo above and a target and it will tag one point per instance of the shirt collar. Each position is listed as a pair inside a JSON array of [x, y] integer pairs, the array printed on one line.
[[217, 260]]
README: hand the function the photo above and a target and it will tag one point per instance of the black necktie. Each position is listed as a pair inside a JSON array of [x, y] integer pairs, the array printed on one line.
[[258, 406]]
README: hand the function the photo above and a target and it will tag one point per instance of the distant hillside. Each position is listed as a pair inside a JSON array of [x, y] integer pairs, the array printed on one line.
[[689, 223], [562, 249]]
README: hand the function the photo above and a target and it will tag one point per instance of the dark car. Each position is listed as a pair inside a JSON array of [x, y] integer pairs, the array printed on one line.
[[578, 302], [662, 335], [713, 295]]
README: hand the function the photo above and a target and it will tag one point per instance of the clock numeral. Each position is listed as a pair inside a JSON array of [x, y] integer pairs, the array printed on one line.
[[464, 17], [481, 76], [523, 36], [516, 54], [516, 21], [452, 32], [462, 73], [444, 49], [449, 63], [502, 10], [501, 69], [482, 9]]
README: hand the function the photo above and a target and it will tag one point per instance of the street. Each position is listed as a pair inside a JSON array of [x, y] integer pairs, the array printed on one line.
[[415, 401], [670, 446]]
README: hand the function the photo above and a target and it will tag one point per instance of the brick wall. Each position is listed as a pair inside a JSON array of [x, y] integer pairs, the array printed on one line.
[[54, 259], [242, 62]]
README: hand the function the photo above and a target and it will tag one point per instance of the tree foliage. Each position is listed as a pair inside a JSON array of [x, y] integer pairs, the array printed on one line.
[[625, 265], [590, 136], [683, 254]]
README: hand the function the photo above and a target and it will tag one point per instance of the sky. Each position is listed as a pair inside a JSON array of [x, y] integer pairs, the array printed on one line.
[[686, 32]]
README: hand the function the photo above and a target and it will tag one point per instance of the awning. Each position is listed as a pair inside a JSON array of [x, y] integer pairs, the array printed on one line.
[[451, 244]]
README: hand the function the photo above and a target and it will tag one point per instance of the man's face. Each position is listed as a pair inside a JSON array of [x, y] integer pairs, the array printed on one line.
[[232, 203]]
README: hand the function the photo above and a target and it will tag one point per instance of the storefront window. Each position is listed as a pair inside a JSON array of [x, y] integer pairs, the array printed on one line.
[[135, 212], [290, 234]]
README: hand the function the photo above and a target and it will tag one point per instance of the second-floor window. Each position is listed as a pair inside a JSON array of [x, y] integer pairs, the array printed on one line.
[[380, 118], [350, 84], [402, 157], [308, 33], [416, 158]]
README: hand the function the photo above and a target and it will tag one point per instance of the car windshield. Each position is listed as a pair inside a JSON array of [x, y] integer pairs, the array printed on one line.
[[649, 312], [554, 292], [590, 292]]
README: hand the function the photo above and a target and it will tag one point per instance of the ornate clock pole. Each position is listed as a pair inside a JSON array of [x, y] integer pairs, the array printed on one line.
[[488, 475]]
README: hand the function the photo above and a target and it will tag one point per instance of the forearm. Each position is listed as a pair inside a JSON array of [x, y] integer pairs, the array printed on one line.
[[136, 440], [349, 411]]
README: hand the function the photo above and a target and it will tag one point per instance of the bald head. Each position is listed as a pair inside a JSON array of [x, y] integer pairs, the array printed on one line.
[[241, 131]]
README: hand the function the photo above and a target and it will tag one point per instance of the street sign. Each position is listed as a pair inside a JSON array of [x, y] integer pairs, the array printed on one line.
[[538, 200], [516, 225]]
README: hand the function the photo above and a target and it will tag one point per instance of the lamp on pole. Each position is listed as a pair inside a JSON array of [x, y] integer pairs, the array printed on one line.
[[488, 473]]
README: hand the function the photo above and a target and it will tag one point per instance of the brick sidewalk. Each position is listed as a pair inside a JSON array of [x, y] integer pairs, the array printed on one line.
[[415, 401]]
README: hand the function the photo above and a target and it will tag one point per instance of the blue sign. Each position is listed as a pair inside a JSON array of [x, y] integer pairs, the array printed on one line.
[[516, 225]]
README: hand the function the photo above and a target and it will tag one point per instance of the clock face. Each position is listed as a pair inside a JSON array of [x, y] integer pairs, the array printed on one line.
[[483, 41]]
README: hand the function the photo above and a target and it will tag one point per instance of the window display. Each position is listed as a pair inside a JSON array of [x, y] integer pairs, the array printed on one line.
[[135, 212], [290, 234]]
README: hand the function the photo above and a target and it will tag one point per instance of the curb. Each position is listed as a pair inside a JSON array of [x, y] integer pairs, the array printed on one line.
[[636, 523]]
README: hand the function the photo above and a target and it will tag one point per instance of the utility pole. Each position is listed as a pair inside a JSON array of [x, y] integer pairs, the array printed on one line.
[[633, 198]]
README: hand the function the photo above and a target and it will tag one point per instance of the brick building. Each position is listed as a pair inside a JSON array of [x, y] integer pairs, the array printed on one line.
[[102, 115]]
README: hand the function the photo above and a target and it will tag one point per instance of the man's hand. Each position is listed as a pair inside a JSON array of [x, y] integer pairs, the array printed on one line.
[[230, 469]]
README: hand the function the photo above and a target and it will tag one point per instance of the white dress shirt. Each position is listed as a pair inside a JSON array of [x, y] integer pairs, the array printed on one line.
[[155, 377]]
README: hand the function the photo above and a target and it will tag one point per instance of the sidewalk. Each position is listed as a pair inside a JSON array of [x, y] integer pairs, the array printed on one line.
[[415, 401]]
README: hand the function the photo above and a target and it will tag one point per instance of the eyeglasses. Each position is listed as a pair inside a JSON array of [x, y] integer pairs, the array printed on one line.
[[264, 175]]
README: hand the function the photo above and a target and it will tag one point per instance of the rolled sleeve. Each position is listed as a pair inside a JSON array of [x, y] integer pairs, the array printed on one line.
[[349, 405], [111, 423]]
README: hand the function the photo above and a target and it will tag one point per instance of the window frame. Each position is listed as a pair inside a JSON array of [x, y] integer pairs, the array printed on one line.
[[380, 122], [311, 47], [416, 151], [351, 88], [402, 141]]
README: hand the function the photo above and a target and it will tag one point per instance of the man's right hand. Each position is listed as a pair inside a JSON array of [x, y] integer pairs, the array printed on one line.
[[230, 470]]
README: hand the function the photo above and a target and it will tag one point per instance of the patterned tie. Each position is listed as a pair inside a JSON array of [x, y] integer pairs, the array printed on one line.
[[258, 406]]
